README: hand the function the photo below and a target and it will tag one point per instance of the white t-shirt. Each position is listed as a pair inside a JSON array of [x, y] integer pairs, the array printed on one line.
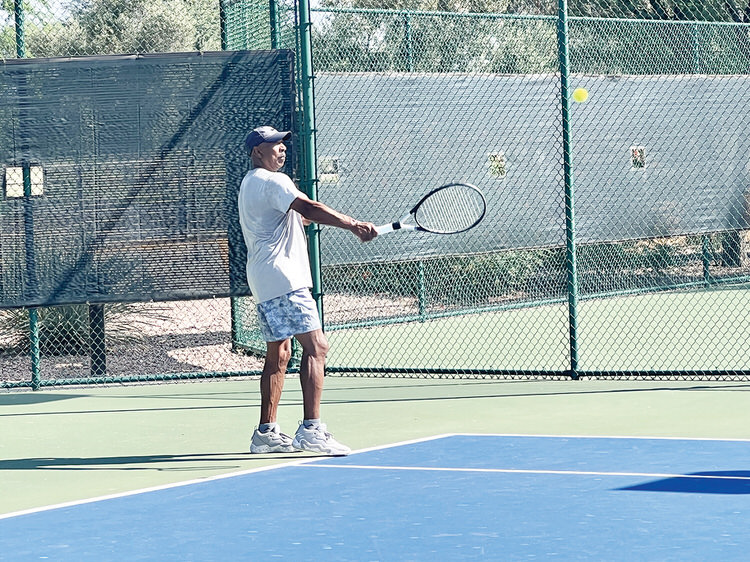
[[277, 259]]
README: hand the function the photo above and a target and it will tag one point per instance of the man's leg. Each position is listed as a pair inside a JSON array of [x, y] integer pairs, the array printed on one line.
[[312, 371], [312, 435], [268, 438], [278, 355]]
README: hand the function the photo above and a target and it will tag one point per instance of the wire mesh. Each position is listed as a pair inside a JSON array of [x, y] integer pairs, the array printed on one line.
[[141, 341], [408, 98], [116, 171], [105, 27]]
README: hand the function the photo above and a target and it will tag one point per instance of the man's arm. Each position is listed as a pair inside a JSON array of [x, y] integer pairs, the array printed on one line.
[[320, 213]]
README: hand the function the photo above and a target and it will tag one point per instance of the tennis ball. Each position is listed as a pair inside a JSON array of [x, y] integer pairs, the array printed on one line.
[[580, 95]]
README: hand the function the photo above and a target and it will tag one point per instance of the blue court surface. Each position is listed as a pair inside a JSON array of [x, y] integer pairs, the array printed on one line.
[[451, 497]]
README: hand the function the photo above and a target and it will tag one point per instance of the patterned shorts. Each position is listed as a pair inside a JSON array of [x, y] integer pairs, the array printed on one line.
[[288, 315]]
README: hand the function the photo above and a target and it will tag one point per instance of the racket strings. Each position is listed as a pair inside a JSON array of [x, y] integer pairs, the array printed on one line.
[[452, 209]]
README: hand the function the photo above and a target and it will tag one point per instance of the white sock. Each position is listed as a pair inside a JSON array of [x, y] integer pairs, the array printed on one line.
[[266, 427], [311, 422]]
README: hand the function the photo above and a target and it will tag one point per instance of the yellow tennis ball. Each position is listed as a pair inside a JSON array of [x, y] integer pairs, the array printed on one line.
[[580, 95]]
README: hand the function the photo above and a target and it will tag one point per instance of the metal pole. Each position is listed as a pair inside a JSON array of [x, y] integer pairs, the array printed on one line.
[[34, 338], [234, 312], [421, 292], [696, 48], [706, 258], [35, 353], [308, 179], [20, 19], [223, 25], [273, 12], [409, 46], [97, 339], [570, 228]]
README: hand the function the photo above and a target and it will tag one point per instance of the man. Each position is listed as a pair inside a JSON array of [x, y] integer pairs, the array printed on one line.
[[273, 213]]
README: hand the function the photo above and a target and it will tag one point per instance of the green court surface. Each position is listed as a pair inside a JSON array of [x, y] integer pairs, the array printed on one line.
[[676, 331], [65, 445]]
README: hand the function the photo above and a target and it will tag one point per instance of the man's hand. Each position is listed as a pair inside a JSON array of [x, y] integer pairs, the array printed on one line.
[[365, 231]]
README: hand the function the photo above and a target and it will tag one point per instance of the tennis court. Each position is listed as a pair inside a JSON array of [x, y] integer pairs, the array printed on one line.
[[627, 333], [614, 250], [441, 468]]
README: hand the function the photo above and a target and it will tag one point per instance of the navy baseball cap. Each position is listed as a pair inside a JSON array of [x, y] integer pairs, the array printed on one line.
[[265, 134]]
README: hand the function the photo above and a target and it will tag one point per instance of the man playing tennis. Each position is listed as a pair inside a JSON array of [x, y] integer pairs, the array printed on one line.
[[273, 213]]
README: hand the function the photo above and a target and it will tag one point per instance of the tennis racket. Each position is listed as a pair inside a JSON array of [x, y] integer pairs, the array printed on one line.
[[449, 209]]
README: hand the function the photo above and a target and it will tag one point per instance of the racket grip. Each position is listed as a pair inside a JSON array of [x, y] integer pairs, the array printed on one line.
[[385, 228]]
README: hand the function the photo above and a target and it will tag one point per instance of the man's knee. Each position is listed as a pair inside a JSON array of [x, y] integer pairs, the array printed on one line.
[[285, 354], [322, 347], [315, 344], [279, 353]]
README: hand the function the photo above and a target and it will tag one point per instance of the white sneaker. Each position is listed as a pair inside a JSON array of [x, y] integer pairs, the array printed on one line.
[[272, 441], [317, 440]]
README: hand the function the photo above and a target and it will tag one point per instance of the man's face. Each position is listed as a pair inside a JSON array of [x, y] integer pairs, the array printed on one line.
[[270, 156]]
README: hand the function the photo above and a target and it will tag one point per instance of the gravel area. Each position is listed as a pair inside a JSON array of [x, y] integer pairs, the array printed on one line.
[[183, 337], [195, 336], [166, 338]]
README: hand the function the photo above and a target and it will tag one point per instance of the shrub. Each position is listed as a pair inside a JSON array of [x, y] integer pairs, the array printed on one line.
[[64, 330]]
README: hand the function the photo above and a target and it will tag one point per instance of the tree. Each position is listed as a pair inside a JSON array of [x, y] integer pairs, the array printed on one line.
[[685, 10], [411, 41], [129, 26], [90, 27], [31, 13], [697, 10]]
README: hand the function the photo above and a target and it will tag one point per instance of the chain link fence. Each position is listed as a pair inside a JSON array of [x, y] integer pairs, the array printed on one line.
[[72, 28], [650, 277], [114, 184], [646, 274]]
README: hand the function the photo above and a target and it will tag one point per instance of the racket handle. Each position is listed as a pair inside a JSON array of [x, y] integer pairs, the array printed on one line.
[[385, 228]]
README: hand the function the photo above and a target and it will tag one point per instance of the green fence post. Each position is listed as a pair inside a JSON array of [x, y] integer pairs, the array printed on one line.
[[34, 339], [421, 290], [273, 13], [570, 228], [20, 19], [98, 346], [409, 47], [308, 178], [222, 25], [695, 48], [706, 258], [35, 353], [234, 314]]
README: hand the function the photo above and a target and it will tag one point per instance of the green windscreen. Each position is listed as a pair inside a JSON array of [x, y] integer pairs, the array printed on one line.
[[120, 173]]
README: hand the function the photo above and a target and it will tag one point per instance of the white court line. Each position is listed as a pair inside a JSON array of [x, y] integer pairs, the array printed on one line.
[[150, 489], [299, 462], [308, 461], [555, 436], [529, 471]]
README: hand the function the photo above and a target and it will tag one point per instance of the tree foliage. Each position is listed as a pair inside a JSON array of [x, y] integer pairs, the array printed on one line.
[[90, 27], [349, 41], [684, 10], [614, 37], [131, 26]]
